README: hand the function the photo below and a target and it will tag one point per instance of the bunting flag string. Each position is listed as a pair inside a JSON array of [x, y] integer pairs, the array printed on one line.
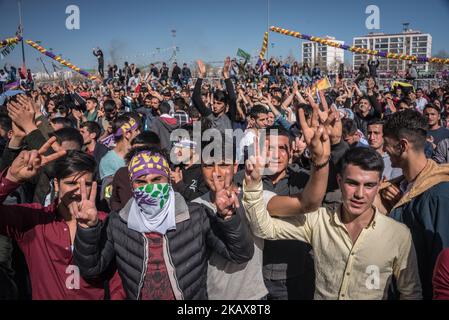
[[60, 60], [10, 41], [388, 55]]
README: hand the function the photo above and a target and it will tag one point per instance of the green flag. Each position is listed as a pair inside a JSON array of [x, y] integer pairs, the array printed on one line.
[[243, 54]]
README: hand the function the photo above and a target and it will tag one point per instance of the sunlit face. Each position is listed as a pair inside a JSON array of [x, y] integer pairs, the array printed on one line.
[[375, 136], [364, 107], [90, 105], [154, 103], [275, 102], [432, 116], [218, 107], [359, 188], [68, 189], [222, 169], [87, 136], [419, 94], [149, 179], [278, 153], [261, 121]]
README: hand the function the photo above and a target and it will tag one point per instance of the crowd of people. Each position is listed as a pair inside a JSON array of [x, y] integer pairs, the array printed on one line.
[[260, 185]]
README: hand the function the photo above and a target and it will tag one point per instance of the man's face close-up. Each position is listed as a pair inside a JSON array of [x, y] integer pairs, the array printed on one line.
[[278, 153], [221, 169], [432, 116], [375, 136], [69, 188], [359, 189]]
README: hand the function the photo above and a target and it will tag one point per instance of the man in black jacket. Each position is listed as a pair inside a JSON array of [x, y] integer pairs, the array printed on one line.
[[160, 243], [99, 54], [175, 75]]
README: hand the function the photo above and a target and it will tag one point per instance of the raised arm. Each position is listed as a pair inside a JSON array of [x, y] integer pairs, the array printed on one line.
[[196, 96], [317, 139], [262, 225], [230, 90]]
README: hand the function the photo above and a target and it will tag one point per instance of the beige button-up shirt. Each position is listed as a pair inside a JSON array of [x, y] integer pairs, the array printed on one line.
[[344, 270]]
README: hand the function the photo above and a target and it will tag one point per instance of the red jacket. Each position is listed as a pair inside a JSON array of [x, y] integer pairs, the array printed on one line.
[[440, 279], [44, 238]]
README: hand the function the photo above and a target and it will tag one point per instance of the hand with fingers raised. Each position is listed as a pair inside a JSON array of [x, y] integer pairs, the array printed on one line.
[[334, 126], [255, 165], [85, 211], [226, 67], [28, 163], [316, 138], [201, 69], [298, 148], [22, 113], [226, 196]]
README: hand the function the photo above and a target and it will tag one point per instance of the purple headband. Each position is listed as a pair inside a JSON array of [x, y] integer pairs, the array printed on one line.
[[145, 163], [127, 127]]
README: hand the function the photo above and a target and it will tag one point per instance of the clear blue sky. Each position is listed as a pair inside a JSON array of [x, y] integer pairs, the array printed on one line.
[[207, 29]]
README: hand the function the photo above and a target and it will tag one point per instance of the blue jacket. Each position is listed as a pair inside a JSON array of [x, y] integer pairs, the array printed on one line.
[[425, 210]]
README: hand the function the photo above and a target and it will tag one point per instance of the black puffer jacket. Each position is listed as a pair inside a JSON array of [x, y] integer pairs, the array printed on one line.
[[186, 249]]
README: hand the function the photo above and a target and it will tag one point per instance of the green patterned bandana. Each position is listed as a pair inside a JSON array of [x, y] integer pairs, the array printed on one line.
[[153, 209]]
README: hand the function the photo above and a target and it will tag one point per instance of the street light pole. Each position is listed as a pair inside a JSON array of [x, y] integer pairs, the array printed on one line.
[[19, 3], [268, 24]]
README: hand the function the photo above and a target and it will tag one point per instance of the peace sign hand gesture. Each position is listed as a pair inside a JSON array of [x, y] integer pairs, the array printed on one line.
[[226, 196], [316, 136], [85, 211], [28, 163], [255, 165]]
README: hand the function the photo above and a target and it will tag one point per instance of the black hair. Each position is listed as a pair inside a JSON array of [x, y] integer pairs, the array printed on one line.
[[366, 158], [221, 96], [62, 109], [109, 106], [349, 127], [68, 134], [147, 138], [93, 99], [432, 106], [407, 101], [193, 113], [408, 124], [5, 123], [165, 107], [375, 121], [47, 102], [256, 110], [92, 127], [276, 130], [74, 162], [180, 104], [65, 122]]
